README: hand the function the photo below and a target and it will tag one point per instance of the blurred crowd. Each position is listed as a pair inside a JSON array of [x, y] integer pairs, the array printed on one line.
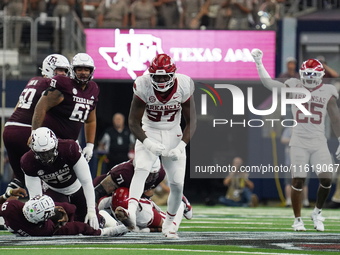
[[186, 14]]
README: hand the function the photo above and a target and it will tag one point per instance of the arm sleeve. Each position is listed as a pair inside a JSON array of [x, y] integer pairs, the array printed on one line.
[[33, 185], [266, 80], [82, 170]]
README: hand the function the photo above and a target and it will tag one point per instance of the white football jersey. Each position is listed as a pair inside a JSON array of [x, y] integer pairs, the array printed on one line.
[[160, 113], [310, 130]]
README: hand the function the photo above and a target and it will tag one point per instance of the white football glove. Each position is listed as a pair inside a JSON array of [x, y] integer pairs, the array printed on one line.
[[114, 231], [88, 151], [175, 153], [257, 56], [337, 153], [91, 218], [155, 148]]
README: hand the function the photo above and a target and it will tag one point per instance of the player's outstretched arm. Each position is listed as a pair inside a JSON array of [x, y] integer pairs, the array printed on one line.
[[49, 99], [266, 80], [333, 113], [135, 117], [90, 134], [189, 114], [82, 170]]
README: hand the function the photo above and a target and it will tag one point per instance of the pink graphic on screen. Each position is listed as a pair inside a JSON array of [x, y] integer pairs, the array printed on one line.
[[200, 54]]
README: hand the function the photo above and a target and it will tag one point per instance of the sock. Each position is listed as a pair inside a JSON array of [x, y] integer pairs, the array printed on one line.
[[288, 201], [317, 210], [179, 216], [305, 202], [175, 198]]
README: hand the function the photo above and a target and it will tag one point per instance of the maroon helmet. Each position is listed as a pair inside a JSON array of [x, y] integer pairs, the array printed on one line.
[[120, 198], [162, 72], [311, 73]]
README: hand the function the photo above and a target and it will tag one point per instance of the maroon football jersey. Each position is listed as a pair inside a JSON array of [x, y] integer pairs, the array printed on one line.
[[60, 174], [67, 118], [28, 99], [122, 175], [16, 222]]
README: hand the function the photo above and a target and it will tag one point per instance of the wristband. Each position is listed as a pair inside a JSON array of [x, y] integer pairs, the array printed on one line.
[[7, 194]]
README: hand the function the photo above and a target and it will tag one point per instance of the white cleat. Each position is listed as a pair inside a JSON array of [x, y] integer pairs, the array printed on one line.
[[124, 216], [318, 221], [298, 225], [169, 231], [188, 209]]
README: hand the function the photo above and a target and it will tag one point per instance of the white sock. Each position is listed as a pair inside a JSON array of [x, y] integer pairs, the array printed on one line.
[[305, 202], [179, 216], [288, 201], [175, 198], [317, 210]]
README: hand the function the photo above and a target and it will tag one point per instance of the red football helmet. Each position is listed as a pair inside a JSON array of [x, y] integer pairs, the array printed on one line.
[[311, 73], [162, 72], [120, 198]]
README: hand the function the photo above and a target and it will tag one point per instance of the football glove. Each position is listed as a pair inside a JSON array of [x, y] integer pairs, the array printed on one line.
[[91, 218], [155, 148], [175, 153], [257, 55], [337, 153], [114, 231], [88, 151]]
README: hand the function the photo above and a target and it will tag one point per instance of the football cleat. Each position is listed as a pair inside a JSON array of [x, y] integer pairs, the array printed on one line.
[[124, 216], [168, 230], [298, 225], [187, 213], [318, 221]]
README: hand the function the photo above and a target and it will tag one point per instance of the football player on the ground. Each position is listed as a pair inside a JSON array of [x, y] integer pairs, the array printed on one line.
[[40, 216], [64, 172], [158, 100], [70, 102], [18, 127], [149, 217], [308, 142], [121, 176]]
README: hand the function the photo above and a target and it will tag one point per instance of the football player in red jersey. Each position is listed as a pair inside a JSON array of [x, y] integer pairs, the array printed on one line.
[[308, 143], [69, 103], [18, 127], [149, 217], [158, 101], [64, 172], [41, 216]]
